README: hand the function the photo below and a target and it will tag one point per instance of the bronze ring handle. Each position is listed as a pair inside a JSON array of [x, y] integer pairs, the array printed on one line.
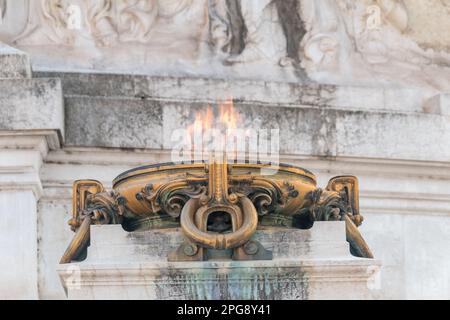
[[219, 241]]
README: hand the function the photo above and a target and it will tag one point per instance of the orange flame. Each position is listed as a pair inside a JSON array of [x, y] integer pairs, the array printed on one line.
[[228, 116], [227, 119]]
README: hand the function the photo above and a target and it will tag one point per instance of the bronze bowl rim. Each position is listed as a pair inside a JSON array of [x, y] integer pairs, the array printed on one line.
[[198, 164]]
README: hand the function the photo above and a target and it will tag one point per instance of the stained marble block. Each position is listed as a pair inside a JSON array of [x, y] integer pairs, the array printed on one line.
[[307, 264]]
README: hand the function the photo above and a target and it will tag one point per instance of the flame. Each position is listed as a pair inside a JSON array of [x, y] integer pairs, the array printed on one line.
[[220, 120], [228, 116]]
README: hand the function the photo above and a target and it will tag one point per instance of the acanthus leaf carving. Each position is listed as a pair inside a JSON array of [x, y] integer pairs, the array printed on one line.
[[170, 198], [267, 196]]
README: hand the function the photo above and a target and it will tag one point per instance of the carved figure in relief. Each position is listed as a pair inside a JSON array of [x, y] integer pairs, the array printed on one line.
[[103, 22], [253, 30], [385, 46], [57, 21], [367, 40], [321, 45], [252, 13]]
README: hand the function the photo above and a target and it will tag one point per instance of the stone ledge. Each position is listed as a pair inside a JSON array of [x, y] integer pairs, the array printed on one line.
[[280, 280], [31, 105], [322, 132], [206, 90], [22, 154]]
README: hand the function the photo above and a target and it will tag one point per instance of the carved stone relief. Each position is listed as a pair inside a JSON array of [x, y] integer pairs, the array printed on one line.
[[256, 30], [105, 22], [368, 40], [333, 41], [321, 44]]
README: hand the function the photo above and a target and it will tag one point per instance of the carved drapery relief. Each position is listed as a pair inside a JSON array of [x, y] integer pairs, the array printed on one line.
[[322, 43], [237, 29], [256, 44], [2, 9], [136, 19], [53, 21], [249, 31]]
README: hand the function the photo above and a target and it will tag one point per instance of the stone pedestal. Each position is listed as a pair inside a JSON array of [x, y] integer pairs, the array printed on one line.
[[307, 264]]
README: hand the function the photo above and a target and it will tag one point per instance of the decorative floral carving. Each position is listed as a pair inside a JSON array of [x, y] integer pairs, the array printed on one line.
[[102, 208], [335, 203], [267, 196], [171, 197], [326, 206]]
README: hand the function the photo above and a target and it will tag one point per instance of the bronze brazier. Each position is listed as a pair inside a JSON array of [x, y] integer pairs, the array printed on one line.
[[217, 205]]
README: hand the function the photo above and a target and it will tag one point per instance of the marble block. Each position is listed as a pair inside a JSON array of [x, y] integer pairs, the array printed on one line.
[[31, 105], [307, 264], [14, 63]]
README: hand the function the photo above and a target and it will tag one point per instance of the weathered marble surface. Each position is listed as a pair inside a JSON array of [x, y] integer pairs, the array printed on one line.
[[319, 132], [209, 90], [31, 104], [27, 103], [308, 264]]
